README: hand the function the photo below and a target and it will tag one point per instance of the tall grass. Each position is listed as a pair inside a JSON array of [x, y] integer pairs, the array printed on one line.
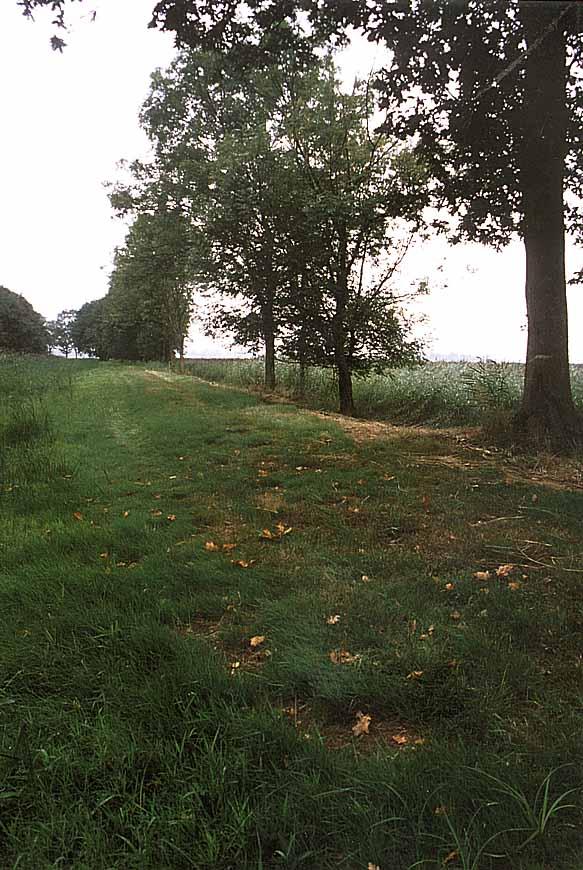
[[435, 393]]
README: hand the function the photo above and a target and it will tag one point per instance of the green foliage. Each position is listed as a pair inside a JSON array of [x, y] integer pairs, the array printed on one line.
[[22, 329], [295, 202], [147, 312], [88, 329], [490, 384], [61, 332]]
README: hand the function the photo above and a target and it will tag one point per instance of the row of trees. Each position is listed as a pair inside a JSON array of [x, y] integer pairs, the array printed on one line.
[[279, 200], [490, 92]]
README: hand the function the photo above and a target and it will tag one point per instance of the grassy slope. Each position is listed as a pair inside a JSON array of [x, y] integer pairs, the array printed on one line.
[[141, 730]]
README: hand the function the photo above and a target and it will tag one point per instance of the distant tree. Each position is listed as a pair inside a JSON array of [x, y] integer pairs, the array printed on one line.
[[148, 309], [61, 332], [87, 329], [22, 329]]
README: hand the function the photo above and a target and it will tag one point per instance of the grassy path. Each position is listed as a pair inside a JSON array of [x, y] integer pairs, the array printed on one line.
[[233, 636]]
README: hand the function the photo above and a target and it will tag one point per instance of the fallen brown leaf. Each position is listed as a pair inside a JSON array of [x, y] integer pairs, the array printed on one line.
[[415, 675], [78, 516], [243, 563], [283, 529], [257, 640], [514, 586], [482, 575], [229, 547], [450, 586], [456, 615], [333, 620], [126, 514], [211, 547], [363, 721], [343, 657], [400, 739], [453, 856], [171, 517], [504, 570]]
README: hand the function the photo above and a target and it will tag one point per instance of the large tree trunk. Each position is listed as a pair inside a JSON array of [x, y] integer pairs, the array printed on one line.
[[547, 412]]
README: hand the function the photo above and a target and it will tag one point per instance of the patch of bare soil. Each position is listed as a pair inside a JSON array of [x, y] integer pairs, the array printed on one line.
[[363, 734], [201, 627]]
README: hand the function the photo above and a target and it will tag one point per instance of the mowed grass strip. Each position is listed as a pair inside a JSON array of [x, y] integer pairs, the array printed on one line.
[[234, 637]]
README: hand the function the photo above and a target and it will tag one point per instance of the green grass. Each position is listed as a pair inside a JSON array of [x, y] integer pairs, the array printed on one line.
[[140, 729], [436, 393]]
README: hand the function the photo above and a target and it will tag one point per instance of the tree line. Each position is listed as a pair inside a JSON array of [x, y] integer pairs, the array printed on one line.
[[490, 94]]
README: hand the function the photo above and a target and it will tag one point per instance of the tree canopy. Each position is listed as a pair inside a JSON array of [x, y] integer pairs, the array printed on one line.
[[22, 329]]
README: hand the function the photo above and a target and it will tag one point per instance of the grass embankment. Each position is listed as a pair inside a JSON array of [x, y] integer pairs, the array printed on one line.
[[143, 728], [436, 393]]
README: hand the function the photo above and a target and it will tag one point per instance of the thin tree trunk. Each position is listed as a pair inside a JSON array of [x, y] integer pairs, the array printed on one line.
[[547, 412], [181, 355], [346, 400], [269, 339], [302, 378]]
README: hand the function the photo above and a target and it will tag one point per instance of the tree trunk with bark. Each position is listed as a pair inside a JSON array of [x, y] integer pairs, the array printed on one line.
[[269, 339], [343, 371], [547, 413]]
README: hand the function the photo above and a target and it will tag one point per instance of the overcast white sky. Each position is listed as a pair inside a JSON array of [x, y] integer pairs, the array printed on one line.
[[68, 118]]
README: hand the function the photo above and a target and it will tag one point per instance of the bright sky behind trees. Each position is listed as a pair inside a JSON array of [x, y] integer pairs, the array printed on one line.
[[69, 118]]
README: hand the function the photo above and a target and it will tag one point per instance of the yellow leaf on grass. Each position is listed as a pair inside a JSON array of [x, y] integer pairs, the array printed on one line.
[[371, 866], [257, 640], [262, 473], [504, 570], [400, 739], [228, 547], [78, 515], [283, 529], [171, 517], [333, 620], [365, 578], [415, 675], [267, 535], [363, 721], [514, 586], [453, 856], [342, 657], [482, 575], [211, 546], [126, 514], [242, 563]]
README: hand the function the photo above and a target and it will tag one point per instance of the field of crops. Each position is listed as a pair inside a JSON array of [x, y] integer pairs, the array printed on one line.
[[436, 393]]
